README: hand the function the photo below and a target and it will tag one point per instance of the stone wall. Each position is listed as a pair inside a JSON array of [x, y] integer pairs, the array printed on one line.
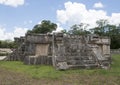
[[115, 51], [83, 51], [64, 51]]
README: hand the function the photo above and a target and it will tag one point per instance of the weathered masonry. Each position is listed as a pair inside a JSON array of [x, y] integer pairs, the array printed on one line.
[[63, 51]]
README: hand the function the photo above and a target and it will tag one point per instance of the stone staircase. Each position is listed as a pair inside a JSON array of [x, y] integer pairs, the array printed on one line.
[[72, 55], [89, 61], [84, 62], [102, 61]]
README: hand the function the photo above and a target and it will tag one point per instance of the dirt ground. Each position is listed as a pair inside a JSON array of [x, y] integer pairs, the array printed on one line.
[[13, 78]]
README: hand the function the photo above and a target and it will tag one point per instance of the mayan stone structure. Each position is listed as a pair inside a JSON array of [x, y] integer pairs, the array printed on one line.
[[63, 51]]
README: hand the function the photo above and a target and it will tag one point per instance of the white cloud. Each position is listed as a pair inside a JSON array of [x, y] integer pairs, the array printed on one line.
[[71, 9], [13, 3], [18, 31], [98, 5], [39, 22], [115, 18], [59, 28], [76, 13]]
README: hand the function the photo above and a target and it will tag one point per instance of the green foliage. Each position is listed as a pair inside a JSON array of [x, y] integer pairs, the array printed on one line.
[[7, 44], [64, 31], [45, 27], [4, 54], [101, 28], [115, 42], [79, 29], [106, 29]]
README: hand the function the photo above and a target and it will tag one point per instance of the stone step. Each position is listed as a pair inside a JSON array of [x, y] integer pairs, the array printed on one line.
[[84, 66], [89, 61]]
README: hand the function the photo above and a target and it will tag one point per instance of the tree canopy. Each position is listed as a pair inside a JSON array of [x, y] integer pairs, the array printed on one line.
[[79, 29], [103, 28], [45, 27], [7, 44], [112, 31]]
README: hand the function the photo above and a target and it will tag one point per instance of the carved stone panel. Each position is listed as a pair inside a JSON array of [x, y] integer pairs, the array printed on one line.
[[42, 49]]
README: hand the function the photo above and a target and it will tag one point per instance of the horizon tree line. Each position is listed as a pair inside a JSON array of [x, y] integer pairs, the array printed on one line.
[[103, 28]]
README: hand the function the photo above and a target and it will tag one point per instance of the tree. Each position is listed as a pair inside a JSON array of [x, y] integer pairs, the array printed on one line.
[[45, 27], [64, 31], [79, 29], [101, 27], [114, 34], [105, 29], [7, 44]]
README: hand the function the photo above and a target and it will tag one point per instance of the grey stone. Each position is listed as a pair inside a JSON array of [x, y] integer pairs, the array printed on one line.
[[68, 50], [62, 66]]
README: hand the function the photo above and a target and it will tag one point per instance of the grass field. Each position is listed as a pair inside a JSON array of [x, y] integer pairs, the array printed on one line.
[[16, 73]]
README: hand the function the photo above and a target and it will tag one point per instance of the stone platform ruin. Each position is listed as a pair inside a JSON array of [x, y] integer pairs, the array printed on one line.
[[63, 51]]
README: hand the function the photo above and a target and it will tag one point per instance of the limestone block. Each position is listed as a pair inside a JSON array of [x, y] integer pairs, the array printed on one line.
[[62, 66]]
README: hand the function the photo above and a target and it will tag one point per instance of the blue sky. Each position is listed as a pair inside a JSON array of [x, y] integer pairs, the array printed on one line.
[[17, 16]]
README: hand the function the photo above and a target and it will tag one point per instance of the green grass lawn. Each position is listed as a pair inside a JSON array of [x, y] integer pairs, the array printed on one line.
[[38, 71], [49, 72]]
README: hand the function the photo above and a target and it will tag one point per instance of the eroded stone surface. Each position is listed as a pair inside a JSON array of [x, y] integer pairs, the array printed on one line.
[[64, 51]]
